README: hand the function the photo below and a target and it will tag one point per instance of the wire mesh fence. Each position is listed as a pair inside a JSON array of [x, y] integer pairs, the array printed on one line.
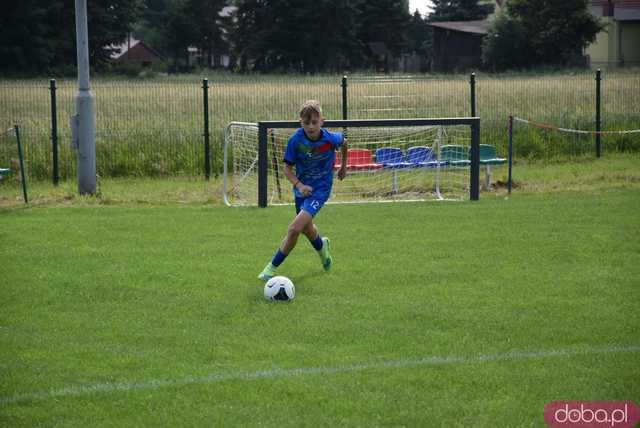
[[404, 97], [156, 127], [549, 158]]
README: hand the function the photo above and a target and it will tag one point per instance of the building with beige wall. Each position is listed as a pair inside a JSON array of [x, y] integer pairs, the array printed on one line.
[[618, 45]]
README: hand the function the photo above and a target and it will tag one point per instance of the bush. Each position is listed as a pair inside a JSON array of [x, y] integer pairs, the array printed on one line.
[[505, 46]]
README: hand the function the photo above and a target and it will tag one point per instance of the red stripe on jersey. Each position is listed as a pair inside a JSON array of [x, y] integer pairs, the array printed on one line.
[[324, 148]]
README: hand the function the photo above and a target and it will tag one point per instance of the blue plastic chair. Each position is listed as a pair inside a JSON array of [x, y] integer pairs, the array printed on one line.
[[422, 156], [391, 158]]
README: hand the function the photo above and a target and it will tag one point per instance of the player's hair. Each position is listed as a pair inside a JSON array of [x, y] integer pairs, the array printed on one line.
[[309, 108]]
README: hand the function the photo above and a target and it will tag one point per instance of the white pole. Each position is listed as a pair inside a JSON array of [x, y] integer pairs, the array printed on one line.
[[85, 105]]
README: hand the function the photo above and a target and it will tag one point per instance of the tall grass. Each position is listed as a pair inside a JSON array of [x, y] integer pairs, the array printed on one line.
[[588, 176], [154, 127]]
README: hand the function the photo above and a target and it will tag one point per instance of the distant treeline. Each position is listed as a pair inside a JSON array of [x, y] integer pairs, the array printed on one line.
[[38, 36]]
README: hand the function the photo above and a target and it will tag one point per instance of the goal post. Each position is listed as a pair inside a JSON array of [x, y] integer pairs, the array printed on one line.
[[472, 122], [389, 160]]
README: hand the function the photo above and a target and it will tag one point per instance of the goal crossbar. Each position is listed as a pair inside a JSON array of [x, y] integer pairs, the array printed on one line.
[[472, 122]]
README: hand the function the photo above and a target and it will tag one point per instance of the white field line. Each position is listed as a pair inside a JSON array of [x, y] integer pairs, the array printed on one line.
[[303, 371]]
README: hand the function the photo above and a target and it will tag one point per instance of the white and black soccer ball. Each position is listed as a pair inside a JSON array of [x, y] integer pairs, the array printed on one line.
[[279, 288]]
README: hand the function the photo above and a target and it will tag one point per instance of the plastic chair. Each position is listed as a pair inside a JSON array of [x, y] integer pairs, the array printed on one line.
[[391, 158], [422, 156], [454, 155], [4, 172], [489, 157], [358, 160]]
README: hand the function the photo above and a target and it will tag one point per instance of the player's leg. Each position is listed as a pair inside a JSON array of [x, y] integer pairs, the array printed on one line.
[[320, 243], [297, 226], [311, 232], [306, 209], [314, 204]]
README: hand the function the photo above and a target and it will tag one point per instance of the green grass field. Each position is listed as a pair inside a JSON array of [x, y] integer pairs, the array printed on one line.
[[142, 307]]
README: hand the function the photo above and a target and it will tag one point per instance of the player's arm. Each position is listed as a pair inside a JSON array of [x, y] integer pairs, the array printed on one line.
[[342, 172], [291, 176]]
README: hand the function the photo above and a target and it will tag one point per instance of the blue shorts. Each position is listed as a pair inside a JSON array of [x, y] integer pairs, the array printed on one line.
[[311, 204]]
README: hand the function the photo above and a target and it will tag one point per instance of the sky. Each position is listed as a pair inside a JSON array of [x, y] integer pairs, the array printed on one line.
[[421, 5]]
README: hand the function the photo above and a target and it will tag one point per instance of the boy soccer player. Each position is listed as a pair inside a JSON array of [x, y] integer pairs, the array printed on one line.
[[311, 150]]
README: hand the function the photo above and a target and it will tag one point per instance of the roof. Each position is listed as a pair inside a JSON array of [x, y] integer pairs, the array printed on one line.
[[474, 27], [620, 10], [119, 50], [630, 4], [625, 4]]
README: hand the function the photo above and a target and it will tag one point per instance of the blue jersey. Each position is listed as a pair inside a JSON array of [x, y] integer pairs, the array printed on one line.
[[313, 159]]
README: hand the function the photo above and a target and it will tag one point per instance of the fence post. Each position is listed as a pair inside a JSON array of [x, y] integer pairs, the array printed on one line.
[[475, 161], [54, 131], [509, 181], [472, 83], [263, 164], [344, 98], [207, 148], [598, 116], [20, 157]]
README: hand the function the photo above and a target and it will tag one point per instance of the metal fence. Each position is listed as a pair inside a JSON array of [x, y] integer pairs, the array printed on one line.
[[157, 127]]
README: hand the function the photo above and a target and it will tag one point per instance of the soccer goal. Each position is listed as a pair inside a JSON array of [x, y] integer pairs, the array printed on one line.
[[388, 160]]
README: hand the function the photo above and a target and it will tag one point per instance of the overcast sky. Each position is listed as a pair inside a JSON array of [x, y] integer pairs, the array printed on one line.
[[421, 5]]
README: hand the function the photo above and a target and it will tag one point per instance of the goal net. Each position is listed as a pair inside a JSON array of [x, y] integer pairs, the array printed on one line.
[[388, 160]]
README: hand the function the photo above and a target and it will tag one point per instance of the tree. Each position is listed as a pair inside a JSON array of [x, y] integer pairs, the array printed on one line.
[[385, 21], [335, 34], [254, 34], [459, 10], [301, 36], [505, 45], [207, 25], [557, 31], [149, 26], [25, 36], [418, 34], [178, 31], [39, 36], [540, 32], [110, 22]]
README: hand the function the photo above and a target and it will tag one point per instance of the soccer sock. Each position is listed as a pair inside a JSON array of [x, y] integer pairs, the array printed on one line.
[[278, 258], [317, 243]]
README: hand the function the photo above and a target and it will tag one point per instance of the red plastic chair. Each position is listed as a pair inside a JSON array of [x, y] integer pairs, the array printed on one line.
[[358, 160]]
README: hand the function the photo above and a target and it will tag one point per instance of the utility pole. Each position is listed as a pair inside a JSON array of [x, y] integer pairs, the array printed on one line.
[[84, 123]]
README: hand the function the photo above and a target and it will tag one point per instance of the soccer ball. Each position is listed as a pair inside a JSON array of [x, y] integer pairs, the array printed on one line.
[[279, 288]]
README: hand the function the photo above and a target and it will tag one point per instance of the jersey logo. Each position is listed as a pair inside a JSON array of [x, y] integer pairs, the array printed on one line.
[[305, 150], [310, 151], [323, 148]]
